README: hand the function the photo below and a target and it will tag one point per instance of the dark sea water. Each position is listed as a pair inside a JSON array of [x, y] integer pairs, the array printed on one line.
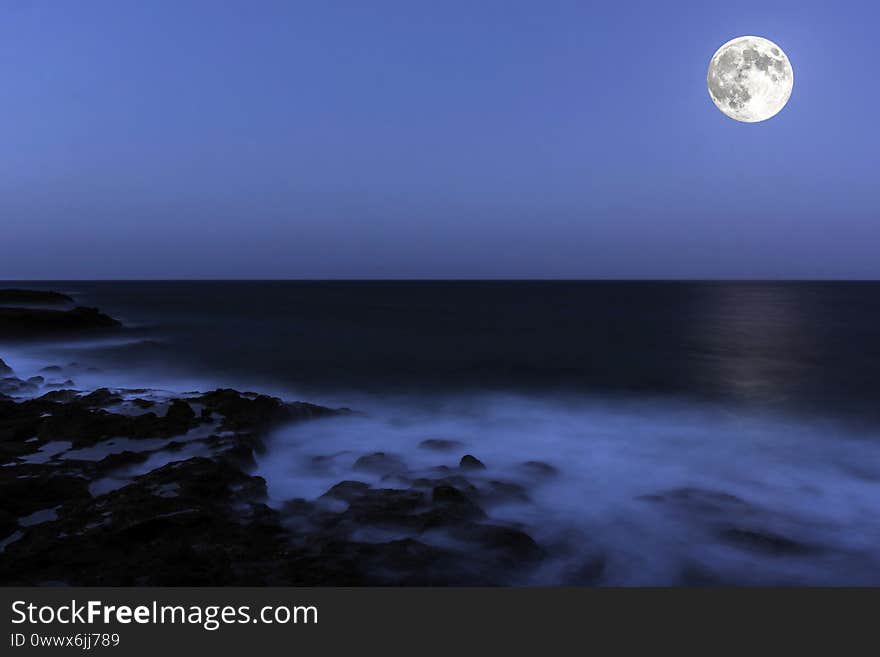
[[704, 432]]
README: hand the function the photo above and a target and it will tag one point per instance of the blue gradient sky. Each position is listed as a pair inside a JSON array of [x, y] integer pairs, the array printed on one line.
[[334, 138]]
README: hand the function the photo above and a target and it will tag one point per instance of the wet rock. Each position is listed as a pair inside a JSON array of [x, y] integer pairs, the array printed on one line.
[[347, 490], [260, 412], [507, 543], [14, 386], [60, 396], [440, 444], [85, 425], [379, 463], [469, 462], [100, 398], [212, 530], [33, 296], [204, 521], [181, 415], [21, 497], [451, 508], [241, 456], [448, 495]]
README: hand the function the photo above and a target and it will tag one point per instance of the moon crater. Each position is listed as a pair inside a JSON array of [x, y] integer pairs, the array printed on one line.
[[750, 79]]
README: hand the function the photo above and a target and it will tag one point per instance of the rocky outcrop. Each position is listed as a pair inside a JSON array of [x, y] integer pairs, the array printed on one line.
[[26, 322], [204, 519], [10, 296]]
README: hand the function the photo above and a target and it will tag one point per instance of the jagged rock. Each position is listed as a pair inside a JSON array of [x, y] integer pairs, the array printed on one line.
[[101, 397], [204, 521]]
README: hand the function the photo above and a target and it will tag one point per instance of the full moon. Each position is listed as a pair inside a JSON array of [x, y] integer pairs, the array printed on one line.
[[750, 79]]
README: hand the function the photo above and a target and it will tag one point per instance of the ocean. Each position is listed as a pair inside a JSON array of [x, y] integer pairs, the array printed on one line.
[[700, 432]]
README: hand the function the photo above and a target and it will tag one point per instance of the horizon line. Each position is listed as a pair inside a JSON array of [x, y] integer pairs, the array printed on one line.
[[416, 279]]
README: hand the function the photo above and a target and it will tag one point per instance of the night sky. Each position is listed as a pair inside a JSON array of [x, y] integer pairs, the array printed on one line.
[[453, 139]]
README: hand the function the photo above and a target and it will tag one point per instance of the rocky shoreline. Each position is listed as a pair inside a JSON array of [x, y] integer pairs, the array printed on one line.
[[144, 487], [131, 487], [200, 518]]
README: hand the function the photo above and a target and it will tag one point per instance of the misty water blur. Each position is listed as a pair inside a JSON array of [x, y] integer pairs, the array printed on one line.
[[702, 432]]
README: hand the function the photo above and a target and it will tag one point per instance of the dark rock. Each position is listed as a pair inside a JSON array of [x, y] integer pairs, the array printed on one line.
[[451, 508], [448, 495], [190, 522], [260, 412], [33, 296], [384, 507], [379, 463], [52, 369], [8, 524], [11, 385], [27, 322], [101, 397], [347, 490], [469, 462], [241, 456], [196, 521], [21, 497], [440, 444], [508, 543], [60, 396], [180, 414], [85, 425], [122, 459], [4, 368], [455, 481]]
